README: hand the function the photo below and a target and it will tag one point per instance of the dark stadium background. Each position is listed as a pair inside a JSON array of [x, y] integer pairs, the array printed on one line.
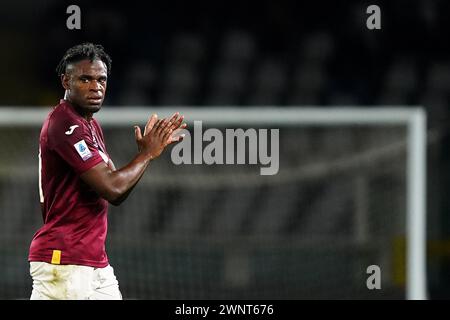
[[145, 38]]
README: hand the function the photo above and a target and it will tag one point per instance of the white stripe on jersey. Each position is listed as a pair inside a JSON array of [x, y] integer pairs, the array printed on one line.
[[41, 193]]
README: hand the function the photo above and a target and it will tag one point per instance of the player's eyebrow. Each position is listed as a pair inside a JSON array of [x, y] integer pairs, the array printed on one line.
[[89, 77]]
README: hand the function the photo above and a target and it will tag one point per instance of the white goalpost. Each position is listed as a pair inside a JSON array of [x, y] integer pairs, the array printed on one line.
[[412, 118]]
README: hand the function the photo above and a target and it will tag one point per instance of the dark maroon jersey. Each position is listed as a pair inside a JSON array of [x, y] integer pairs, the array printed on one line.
[[75, 217]]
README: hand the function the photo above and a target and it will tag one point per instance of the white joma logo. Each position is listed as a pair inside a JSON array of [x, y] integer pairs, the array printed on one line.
[[69, 132]]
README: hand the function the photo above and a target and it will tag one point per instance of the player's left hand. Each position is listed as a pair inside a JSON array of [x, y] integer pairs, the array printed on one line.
[[177, 126]]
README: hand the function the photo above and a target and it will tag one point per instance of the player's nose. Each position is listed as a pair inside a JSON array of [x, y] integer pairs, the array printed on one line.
[[95, 86]]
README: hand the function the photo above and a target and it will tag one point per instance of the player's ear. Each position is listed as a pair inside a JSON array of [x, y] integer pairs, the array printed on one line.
[[65, 81]]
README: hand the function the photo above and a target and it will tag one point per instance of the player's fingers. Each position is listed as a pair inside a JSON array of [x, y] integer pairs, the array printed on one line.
[[164, 132], [150, 123], [137, 133], [156, 126], [170, 121], [166, 135], [161, 127], [174, 117], [179, 128], [147, 124], [177, 131], [177, 135], [178, 138], [177, 122]]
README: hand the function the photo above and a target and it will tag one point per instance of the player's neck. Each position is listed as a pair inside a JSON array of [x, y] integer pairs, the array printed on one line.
[[83, 113]]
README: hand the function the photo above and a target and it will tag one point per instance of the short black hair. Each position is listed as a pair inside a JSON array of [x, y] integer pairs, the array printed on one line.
[[84, 51]]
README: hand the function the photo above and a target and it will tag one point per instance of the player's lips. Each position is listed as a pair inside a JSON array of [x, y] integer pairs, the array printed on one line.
[[96, 99]]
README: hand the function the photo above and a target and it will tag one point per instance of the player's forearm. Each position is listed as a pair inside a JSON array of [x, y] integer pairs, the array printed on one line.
[[124, 179]]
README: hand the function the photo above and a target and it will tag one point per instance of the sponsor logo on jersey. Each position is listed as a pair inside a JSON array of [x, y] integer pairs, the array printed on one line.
[[83, 150], [71, 128]]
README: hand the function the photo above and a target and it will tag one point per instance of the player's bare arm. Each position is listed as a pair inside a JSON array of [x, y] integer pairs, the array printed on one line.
[[115, 185]]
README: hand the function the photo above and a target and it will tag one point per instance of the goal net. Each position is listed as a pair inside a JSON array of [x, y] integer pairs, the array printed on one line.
[[348, 196]]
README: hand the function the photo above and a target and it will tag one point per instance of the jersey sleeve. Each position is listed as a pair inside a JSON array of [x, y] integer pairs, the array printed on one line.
[[73, 143]]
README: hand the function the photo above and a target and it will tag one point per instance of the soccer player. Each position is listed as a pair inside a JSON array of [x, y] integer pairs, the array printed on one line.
[[77, 179]]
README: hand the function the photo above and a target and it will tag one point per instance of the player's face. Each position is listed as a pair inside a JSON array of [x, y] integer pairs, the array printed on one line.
[[85, 83]]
